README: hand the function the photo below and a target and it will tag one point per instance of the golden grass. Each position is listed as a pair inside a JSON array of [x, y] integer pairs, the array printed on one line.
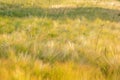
[[79, 41]]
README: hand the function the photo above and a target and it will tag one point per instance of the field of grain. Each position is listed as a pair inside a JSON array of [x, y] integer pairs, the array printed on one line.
[[59, 40]]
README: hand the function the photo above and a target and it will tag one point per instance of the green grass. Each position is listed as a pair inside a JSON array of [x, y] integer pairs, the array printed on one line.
[[59, 40]]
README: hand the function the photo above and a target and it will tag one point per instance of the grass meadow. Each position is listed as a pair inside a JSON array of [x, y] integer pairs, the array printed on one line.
[[59, 40]]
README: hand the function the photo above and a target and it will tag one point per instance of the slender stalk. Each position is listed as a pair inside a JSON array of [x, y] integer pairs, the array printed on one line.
[[98, 37]]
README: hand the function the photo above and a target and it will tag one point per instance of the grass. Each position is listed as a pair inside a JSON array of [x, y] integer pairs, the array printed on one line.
[[59, 40]]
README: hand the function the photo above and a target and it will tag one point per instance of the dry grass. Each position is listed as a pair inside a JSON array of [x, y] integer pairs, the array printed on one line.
[[80, 41]]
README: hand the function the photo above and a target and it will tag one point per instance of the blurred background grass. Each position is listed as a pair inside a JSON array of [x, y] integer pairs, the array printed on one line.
[[59, 40]]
